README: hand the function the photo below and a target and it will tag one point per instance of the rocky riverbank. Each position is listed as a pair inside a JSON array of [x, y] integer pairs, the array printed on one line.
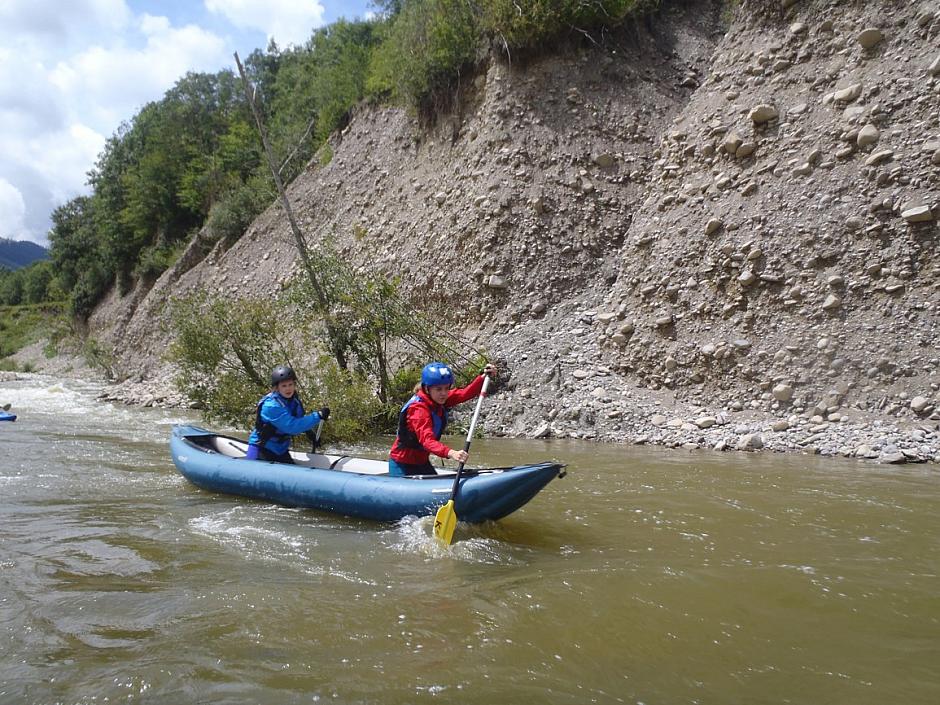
[[907, 432]]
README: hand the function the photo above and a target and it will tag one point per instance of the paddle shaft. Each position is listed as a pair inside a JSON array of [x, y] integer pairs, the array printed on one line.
[[316, 440], [473, 425]]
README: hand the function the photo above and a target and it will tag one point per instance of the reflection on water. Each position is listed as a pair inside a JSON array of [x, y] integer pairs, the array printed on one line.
[[643, 576]]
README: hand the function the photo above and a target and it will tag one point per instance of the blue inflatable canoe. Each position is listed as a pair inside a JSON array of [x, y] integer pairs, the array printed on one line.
[[350, 486], [5, 416]]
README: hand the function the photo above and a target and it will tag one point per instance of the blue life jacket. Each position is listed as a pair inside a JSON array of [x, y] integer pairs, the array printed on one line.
[[406, 437], [266, 433]]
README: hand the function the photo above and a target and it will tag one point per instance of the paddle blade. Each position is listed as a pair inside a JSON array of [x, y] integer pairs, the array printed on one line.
[[445, 522]]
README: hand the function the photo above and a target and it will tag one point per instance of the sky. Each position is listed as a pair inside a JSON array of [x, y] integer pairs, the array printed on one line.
[[71, 71]]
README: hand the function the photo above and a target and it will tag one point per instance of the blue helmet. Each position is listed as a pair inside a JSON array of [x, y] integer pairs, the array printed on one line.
[[436, 373]]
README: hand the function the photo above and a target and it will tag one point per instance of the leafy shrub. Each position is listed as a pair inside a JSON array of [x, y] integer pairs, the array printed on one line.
[[226, 348], [230, 217], [155, 260], [99, 356], [427, 45]]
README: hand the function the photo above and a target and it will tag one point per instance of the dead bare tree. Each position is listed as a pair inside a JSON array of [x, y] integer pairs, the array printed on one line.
[[337, 338]]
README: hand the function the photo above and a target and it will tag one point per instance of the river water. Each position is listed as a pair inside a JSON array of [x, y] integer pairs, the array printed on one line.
[[644, 576]]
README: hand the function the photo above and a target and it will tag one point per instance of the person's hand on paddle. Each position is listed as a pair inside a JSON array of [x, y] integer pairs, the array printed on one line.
[[459, 455], [490, 371]]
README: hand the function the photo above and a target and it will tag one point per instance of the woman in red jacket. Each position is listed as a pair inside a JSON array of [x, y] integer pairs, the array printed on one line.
[[423, 419]]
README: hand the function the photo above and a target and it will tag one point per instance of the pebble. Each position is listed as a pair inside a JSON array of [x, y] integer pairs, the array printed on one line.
[[763, 113], [782, 392], [867, 136], [917, 214], [870, 37]]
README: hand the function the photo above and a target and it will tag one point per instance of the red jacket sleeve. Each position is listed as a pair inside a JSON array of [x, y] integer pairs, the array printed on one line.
[[419, 420], [459, 396]]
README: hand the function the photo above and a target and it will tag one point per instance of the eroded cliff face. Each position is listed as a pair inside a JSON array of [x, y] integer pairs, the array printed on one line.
[[728, 208], [787, 246]]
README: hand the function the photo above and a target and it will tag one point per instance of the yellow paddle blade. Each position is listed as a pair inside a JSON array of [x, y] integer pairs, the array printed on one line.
[[445, 522]]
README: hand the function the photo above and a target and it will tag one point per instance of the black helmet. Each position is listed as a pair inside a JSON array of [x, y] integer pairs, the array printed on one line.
[[282, 373]]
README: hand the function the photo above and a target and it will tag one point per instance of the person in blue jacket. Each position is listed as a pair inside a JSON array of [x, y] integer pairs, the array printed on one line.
[[280, 415]]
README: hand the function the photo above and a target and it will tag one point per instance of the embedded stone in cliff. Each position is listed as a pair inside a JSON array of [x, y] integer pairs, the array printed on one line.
[[917, 214], [712, 226], [832, 303], [763, 113], [854, 223], [496, 282], [745, 150], [440, 197], [934, 68], [747, 278], [867, 136], [870, 37], [731, 142], [706, 421], [847, 95], [854, 113], [604, 161], [882, 155], [628, 328], [788, 3], [918, 404], [782, 392]]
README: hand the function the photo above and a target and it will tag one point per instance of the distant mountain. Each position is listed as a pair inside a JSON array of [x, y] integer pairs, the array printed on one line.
[[19, 253]]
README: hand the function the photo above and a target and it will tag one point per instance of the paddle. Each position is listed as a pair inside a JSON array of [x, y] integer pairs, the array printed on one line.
[[446, 519], [315, 439], [6, 407]]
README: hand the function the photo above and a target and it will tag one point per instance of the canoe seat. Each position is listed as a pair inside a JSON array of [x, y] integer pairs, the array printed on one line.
[[344, 463]]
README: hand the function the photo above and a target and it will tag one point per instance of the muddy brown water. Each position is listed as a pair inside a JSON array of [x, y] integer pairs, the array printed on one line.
[[644, 576]]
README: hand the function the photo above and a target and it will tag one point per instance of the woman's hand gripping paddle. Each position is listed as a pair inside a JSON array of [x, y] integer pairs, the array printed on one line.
[[446, 520]]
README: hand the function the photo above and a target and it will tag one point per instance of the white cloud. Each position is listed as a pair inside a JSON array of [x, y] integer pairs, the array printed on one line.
[[58, 26], [69, 74], [12, 211], [64, 158], [112, 83], [286, 21]]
